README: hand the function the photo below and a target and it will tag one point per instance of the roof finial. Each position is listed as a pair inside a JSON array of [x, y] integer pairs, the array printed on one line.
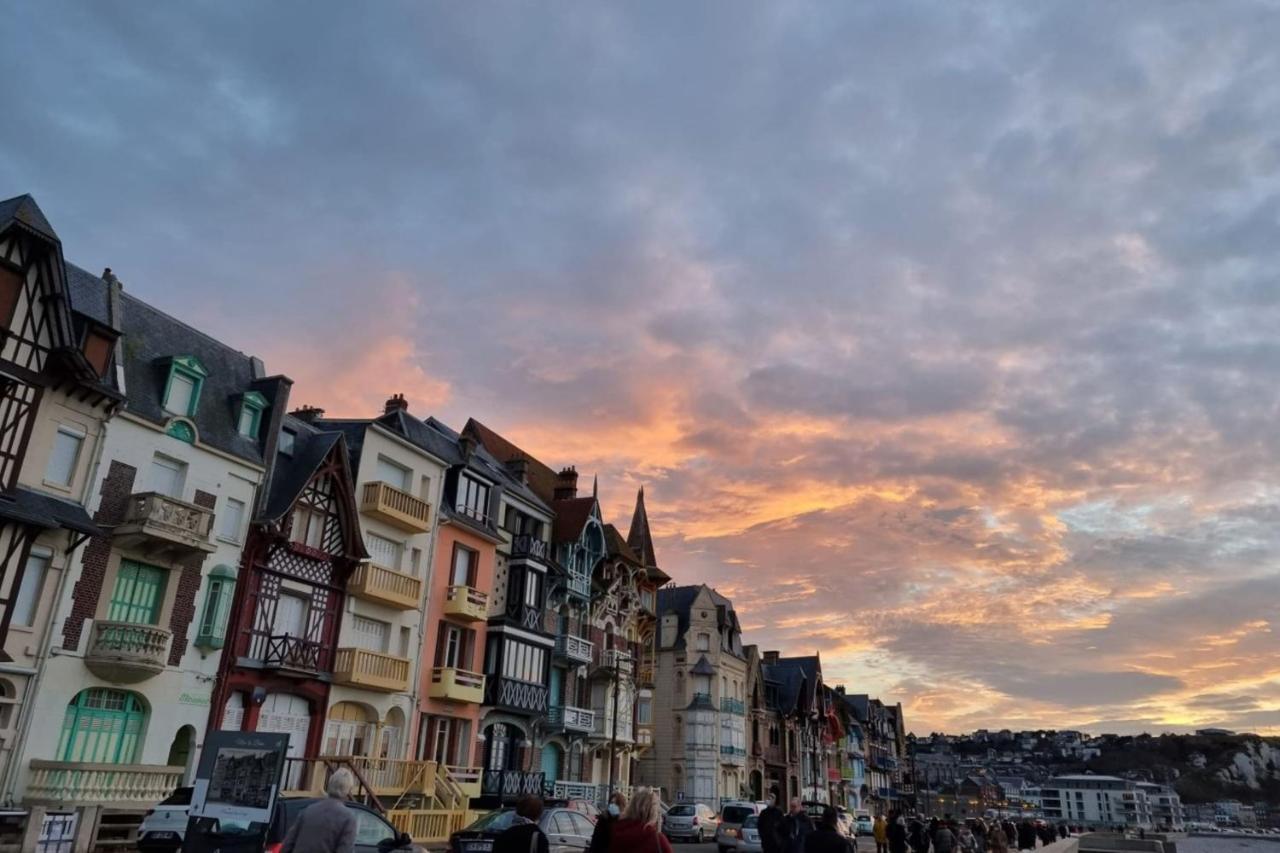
[[595, 486]]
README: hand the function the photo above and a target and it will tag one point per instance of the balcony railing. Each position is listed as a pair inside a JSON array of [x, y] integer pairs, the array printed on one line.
[[573, 649], [571, 719], [381, 585], [516, 695], [579, 583], [293, 654], [466, 603], [126, 653], [392, 776], [165, 527], [604, 725], [396, 507], [371, 670], [510, 784], [71, 783], [733, 706], [735, 751], [428, 826], [525, 546], [616, 659], [456, 685]]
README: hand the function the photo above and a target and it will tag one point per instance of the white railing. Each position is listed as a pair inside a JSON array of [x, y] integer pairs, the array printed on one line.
[[574, 648], [74, 783]]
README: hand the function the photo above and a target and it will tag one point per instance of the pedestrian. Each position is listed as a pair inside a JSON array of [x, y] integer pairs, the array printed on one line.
[[944, 840], [979, 828], [897, 833], [796, 827], [1046, 833], [770, 826], [604, 823], [917, 837], [997, 839], [639, 828], [1062, 830], [524, 834], [1010, 833], [327, 826], [968, 842], [827, 838], [880, 831], [1027, 835]]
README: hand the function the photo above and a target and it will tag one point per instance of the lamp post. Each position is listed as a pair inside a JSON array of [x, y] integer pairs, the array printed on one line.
[[613, 738]]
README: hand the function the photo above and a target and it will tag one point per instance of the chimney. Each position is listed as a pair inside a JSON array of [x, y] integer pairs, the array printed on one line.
[[115, 315], [566, 484], [771, 658], [308, 414], [397, 403], [466, 446], [519, 468], [256, 367]]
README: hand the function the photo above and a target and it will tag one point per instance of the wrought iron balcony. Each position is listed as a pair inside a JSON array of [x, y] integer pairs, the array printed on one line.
[[616, 659], [466, 603], [733, 706], [371, 670], [165, 528], [735, 752], [571, 719], [125, 652], [396, 507], [71, 783], [456, 685], [381, 585], [573, 649], [294, 655], [524, 697], [528, 547], [510, 784], [579, 584]]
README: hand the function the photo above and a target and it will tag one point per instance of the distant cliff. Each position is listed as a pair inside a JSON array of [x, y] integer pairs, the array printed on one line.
[[1201, 767]]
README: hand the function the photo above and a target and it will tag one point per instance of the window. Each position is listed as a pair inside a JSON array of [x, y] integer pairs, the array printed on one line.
[[138, 594], [453, 649], [10, 293], [24, 607], [370, 634], [308, 527], [232, 519], [62, 459], [464, 567], [473, 498], [168, 476], [394, 474], [523, 662], [212, 629], [102, 726], [704, 642], [533, 589], [383, 551], [249, 420], [182, 391], [288, 438]]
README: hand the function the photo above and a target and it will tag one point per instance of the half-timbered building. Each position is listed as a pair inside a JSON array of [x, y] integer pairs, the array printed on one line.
[[55, 398], [304, 545]]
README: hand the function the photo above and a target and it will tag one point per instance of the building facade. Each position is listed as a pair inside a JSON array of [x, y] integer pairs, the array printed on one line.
[[1095, 801]]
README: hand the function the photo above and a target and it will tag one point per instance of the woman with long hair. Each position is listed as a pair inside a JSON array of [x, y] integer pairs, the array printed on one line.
[[639, 830]]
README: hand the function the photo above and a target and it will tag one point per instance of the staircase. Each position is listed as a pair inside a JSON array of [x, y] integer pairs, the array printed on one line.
[[421, 798]]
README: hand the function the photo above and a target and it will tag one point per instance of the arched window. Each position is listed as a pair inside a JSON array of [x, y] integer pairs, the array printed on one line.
[[103, 726], [349, 730], [8, 700]]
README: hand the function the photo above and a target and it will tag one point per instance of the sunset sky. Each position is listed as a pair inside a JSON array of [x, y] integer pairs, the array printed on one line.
[[944, 338]]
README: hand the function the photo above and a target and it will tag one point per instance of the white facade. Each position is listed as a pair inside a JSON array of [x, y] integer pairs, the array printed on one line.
[[1166, 806], [1098, 801]]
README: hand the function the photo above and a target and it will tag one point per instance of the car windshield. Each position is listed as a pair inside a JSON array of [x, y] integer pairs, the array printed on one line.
[[750, 822], [180, 797], [493, 821], [736, 814], [681, 811]]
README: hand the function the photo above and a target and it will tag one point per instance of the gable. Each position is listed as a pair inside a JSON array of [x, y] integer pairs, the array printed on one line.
[[33, 303]]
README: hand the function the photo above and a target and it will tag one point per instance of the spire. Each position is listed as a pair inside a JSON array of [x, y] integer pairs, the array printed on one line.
[[595, 486], [640, 539]]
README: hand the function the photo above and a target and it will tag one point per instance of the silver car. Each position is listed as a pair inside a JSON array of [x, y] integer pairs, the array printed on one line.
[[749, 841], [690, 821]]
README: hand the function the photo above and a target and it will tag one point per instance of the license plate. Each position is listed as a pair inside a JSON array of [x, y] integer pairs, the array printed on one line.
[[478, 847], [163, 836]]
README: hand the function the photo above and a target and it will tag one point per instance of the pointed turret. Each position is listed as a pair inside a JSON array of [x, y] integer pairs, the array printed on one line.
[[23, 209], [640, 539]]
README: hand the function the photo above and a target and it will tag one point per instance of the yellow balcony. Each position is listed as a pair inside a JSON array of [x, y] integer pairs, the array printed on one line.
[[428, 826], [466, 603], [396, 507], [371, 670], [391, 777], [456, 685], [385, 586]]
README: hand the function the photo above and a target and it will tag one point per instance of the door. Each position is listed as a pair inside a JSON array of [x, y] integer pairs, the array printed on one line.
[[102, 726], [551, 762], [290, 715], [137, 595]]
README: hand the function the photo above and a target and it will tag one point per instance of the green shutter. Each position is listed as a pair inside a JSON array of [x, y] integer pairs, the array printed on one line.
[[138, 594], [102, 726]]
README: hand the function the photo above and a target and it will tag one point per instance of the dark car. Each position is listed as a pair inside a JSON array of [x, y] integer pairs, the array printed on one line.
[[568, 830]]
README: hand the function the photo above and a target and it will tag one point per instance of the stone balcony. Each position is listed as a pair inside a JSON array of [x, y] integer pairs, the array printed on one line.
[[381, 585], [125, 652], [466, 603], [371, 670], [456, 685], [165, 528], [66, 784], [396, 507]]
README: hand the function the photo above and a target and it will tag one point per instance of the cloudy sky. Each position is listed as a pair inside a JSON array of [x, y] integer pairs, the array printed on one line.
[[942, 336]]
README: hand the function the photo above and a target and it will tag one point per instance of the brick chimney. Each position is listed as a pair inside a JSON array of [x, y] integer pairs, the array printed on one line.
[[566, 484], [397, 403], [308, 414], [519, 468], [771, 658]]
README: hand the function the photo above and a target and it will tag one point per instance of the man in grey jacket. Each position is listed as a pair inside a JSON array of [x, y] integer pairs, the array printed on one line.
[[327, 826]]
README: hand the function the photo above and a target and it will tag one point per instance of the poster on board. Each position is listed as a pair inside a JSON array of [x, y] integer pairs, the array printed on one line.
[[239, 776]]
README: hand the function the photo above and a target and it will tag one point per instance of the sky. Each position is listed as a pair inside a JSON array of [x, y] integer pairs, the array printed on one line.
[[941, 336]]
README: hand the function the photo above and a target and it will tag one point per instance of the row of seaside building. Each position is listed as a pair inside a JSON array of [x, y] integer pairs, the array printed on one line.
[[184, 550]]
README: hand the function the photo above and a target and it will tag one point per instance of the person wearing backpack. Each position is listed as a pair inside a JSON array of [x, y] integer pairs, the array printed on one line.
[[524, 835]]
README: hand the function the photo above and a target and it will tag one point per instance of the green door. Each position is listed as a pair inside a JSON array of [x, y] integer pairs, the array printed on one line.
[[102, 726], [137, 595]]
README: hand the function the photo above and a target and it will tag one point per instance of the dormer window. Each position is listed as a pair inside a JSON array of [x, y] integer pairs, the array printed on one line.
[[287, 437], [473, 498], [249, 414], [182, 390]]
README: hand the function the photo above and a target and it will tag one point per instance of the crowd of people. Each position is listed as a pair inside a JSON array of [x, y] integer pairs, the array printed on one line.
[[898, 834]]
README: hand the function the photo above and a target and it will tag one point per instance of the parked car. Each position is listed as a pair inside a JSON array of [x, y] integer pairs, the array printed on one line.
[[165, 825], [568, 830], [692, 821], [732, 815], [864, 824], [374, 834], [749, 841]]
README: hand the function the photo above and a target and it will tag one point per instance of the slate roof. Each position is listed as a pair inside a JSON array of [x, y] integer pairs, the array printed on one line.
[[88, 295], [679, 600], [703, 667], [616, 546], [542, 479], [639, 537], [701, 702], [23, 208], [36, 508], [571, 517], [790, 681], [292, 472]]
